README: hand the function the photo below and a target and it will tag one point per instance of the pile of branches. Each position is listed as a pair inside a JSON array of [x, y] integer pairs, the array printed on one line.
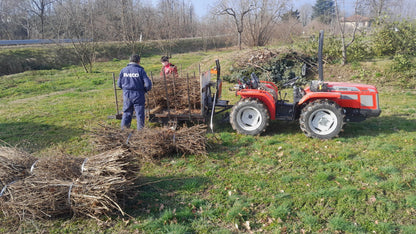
[[278, 66], [14, 164], [62, 185], [179, 94], [153, 143]]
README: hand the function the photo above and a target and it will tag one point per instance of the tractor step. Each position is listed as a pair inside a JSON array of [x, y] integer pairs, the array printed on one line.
[[285, 111]]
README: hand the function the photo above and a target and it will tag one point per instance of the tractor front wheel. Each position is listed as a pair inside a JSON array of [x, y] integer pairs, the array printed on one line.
[[249, 116], [322, 119]]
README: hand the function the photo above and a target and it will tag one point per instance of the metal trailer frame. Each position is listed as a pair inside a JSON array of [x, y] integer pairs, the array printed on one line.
[[211, 103]]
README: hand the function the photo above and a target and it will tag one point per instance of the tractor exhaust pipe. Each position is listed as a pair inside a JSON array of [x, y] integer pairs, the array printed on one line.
[[320, 63]]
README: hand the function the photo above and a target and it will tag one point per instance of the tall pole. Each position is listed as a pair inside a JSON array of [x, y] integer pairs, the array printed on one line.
[[320, 63]]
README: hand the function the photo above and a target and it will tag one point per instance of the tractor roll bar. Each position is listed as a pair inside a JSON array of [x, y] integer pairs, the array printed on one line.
[[320, 48]]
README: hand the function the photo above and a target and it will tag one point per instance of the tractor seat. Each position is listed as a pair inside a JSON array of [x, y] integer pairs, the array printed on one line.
[[254, 81]]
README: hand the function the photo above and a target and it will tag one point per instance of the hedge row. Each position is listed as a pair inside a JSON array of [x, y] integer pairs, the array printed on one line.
[[19, 59]]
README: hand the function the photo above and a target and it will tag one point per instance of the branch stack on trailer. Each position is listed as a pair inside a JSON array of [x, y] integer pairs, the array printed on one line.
[[179, 98]]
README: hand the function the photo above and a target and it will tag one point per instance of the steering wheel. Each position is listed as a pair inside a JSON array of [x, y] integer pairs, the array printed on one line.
[[291, 82]]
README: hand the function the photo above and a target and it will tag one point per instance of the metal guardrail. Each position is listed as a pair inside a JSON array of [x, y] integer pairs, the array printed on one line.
[[41, 41]]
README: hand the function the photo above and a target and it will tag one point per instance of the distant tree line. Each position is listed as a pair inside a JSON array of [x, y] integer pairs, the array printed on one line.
[[108, 20], [254, 21], [244, 22]]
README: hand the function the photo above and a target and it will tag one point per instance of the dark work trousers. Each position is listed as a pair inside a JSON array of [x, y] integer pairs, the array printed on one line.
[[133, 100]]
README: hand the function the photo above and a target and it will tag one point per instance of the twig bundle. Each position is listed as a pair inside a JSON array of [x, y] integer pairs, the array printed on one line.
[[14, 165], [90, 188], [104, 178], [191, 140], [36, 198], [175, 92], [63, 167], [154, 143]]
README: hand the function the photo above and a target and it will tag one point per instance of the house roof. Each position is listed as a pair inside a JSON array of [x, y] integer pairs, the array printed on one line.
[[356, 18]]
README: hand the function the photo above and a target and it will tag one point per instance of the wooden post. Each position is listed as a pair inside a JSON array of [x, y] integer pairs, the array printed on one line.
[[199, 70], [167, 94], [174, 86], [189, 98]]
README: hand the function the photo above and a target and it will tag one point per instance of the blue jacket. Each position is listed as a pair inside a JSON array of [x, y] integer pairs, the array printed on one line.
[[133, 77]]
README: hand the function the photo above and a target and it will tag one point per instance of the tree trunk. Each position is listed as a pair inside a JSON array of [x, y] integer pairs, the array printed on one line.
[[239, 40], [344, 53]]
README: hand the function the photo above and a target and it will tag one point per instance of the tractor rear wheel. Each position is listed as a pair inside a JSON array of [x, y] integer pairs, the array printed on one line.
[[249, 116], [322, 119]]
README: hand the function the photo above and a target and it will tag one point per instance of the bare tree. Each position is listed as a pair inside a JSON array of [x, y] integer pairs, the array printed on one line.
[[305, 14], [342, 28], [214, 30], [80, 26], [39, 8], [263, 18], [6, 13], [150, 22], [130, 27], [15, 21], [108, 18], [380, 8], [237, 10]]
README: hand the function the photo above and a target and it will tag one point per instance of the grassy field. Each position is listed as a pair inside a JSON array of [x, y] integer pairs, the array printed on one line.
[[282, 181]]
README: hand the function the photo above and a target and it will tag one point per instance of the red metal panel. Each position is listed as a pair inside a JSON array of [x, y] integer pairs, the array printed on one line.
[[320, 95]]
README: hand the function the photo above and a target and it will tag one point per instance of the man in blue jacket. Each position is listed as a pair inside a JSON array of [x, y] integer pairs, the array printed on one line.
[[134, 82]]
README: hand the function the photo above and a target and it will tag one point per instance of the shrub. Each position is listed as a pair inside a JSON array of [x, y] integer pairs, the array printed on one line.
[[402, 62], [395, 37], [359, 50], [55, 57]]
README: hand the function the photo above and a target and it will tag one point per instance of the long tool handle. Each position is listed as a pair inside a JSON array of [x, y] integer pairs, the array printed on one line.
[[115, 93]]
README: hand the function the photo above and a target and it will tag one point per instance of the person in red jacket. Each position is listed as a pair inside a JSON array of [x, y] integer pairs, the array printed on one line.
[[168, 68]]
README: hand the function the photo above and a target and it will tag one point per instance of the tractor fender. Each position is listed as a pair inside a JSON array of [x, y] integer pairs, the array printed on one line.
[[270, 84], [263, 96], [319, 95]]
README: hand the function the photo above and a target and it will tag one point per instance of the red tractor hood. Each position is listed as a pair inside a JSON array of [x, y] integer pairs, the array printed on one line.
[[346, 95], [347, 87]]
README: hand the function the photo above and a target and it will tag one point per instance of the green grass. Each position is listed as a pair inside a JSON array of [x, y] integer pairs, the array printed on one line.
[[282, 181]]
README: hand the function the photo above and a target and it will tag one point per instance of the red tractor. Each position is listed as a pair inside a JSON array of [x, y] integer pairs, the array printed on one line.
[[322, 109]]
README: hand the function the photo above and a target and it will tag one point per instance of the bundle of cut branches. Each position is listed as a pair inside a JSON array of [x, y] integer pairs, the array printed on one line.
[[181, 93], [62, 167], [114, 163], [146, 144], [14, 164], [104, 178], [36, 198], [92, 187], [154, 143], [191, 140], [97, 196]]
